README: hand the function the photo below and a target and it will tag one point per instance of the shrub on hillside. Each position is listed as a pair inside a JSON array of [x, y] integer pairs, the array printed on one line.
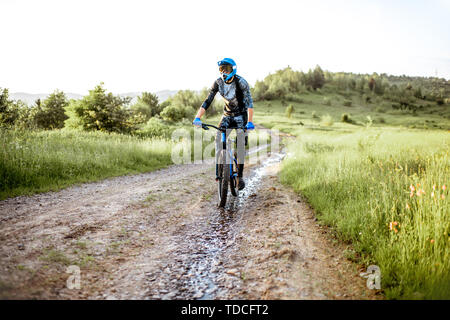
[[345, 117], [327, 101], [100, 111], [289, 110], [175, 113], [155, 127], [326, 121], [9, 110], [50, 114], [146, 106], [294, 98]]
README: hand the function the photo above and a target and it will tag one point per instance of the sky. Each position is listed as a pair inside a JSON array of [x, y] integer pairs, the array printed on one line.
[[133, 45]]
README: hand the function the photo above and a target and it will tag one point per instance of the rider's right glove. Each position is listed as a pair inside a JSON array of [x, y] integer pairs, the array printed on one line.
[[197, 122]]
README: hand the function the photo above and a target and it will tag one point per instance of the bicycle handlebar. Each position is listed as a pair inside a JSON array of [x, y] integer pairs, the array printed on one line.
[[206, 125]]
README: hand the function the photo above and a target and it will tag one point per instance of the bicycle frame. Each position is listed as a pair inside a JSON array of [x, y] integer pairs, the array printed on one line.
[[224, 168], [224, 146]]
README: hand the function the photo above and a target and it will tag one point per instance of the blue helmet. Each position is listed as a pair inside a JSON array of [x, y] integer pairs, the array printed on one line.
[[228, 61]]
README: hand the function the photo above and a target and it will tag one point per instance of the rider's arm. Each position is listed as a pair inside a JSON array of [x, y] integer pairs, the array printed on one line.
[[205, 105], [200, 112], [250, 114], [248, 101]]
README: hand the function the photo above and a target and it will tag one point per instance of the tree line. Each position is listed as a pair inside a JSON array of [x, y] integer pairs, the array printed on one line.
[[403, 91], [100, 111], [103, 111]]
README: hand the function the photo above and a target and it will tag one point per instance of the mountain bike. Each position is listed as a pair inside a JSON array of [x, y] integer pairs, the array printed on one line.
[[227, 166]]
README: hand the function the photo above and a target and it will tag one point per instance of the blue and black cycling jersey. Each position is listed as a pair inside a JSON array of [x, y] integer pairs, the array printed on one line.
[[236, 95]]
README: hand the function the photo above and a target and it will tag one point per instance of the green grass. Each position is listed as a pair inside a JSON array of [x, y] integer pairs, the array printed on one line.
[[33, 162], [272, 113], [359, 183], [40, 161], [358, 177]]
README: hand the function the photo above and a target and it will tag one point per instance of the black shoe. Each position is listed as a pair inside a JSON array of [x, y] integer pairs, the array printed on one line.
[[241, 184]]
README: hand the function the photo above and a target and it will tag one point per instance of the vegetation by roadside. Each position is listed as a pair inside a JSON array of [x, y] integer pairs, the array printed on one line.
[[383, 186], [38, 161]]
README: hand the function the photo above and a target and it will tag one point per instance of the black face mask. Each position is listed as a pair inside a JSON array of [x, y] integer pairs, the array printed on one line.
[[224, 76]]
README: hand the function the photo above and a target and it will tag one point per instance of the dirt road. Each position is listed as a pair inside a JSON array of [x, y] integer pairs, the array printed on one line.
[[160, 235]]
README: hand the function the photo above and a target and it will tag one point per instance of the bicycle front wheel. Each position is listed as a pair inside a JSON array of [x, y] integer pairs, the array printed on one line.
[[224, 178]]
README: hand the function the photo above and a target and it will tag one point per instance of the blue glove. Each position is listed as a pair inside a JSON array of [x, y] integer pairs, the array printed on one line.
[[250, 126], [197, 122]]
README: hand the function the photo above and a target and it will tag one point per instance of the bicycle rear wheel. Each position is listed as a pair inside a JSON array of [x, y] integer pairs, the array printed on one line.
[[224, 178]]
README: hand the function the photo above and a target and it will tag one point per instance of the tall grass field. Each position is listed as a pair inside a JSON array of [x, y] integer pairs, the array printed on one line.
[[38, 161], [386, 191]]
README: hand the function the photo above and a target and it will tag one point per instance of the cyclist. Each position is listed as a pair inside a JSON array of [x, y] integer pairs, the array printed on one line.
[[238, 110]]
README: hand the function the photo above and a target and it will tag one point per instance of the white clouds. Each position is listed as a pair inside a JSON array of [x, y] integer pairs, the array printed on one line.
[[154, 45]]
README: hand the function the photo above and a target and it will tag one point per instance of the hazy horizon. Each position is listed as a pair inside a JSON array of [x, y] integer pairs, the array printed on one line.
[[135, 46]]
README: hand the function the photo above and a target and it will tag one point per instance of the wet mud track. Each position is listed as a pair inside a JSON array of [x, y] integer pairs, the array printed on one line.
[[197, 269]]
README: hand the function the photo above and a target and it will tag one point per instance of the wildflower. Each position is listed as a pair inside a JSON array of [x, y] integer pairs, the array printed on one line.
[[444, 187], [434, 187], [392, 226], [407, 206], [442, 197], [411, 187], [420, 192], [432, 241], [432, 194]]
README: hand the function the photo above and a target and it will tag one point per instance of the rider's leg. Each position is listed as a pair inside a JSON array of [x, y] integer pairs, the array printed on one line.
[[241, 143], [240, 151]]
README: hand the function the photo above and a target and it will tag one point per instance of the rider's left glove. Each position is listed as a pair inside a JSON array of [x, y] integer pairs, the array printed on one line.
[[197, 122], [250, 126]]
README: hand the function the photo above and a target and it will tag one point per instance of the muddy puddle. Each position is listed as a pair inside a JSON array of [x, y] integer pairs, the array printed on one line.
[[196, 270]]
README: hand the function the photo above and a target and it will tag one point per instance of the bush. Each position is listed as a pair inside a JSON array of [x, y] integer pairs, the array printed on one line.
[[326, 121], [175, 113], [147, 106], [316, 78], [347, 103], [367, 99], [100, 111], [345, 117], [50, 114], [327, 101], [294, 98], [187, 98], [9, 110], [155, 127], [380, 109], [289, 110]]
